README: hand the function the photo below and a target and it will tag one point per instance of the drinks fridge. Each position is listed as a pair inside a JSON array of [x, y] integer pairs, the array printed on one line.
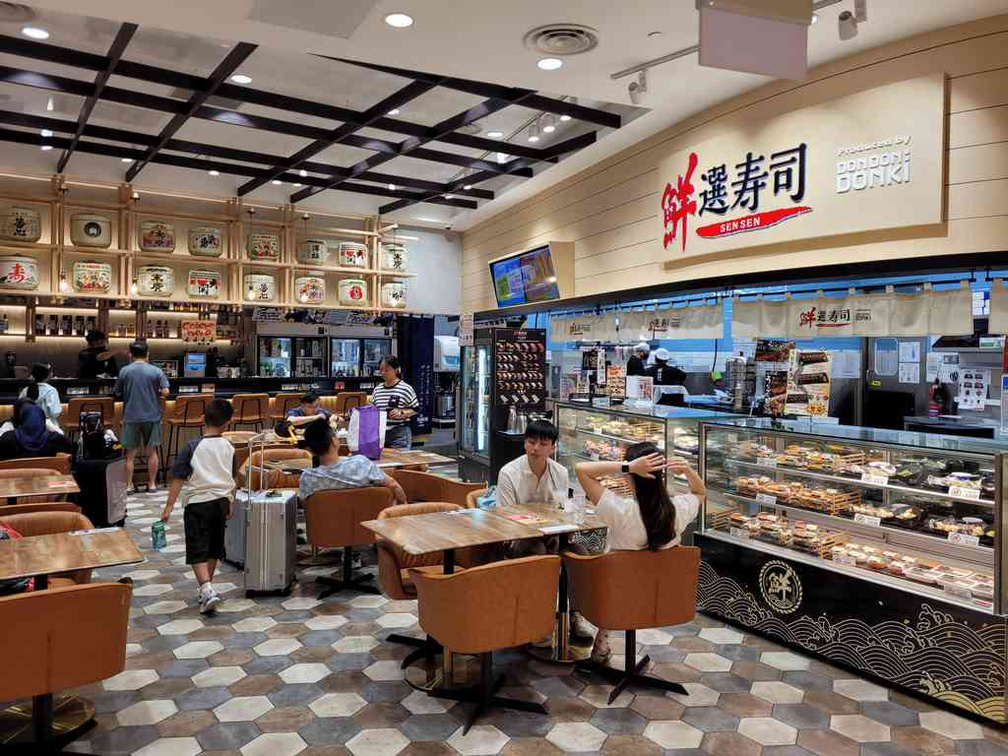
[[274, 359], [474, 411], [310, 357], [374, 350], [346, 358]]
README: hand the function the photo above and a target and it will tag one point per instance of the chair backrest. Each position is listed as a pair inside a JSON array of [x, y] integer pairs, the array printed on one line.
[[54, 654], [633, 590], [284, 403], [103, 404], [392, 559], [60, 463], [458, 492], [347, 400], [497, 605], [274, 478], [419, 486], [33, 472], [189, 408], [45, 523], [6, 510], [249, 408], [405, 510], [332, 518], [473, 496]]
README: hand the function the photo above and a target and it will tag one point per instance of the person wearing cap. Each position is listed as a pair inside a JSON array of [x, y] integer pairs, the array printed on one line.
[[635, 365], [663, 373]]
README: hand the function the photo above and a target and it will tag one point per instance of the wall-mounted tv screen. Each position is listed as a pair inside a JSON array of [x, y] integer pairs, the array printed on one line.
[[525, 278]]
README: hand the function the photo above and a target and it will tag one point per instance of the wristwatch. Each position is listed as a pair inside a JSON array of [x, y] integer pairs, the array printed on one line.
[[625, 467]]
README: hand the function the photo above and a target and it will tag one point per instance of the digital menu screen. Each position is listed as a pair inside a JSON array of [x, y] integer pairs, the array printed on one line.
[[525, 278]]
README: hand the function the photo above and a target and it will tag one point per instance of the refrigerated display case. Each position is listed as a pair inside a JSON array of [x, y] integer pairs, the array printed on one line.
[[274, 358], [474, 412], [877, 549], [310, 357], [374, 350], [345, 359]]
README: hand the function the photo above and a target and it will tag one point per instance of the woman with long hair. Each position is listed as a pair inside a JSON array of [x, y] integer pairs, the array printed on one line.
[[651, 519], [44, 395]]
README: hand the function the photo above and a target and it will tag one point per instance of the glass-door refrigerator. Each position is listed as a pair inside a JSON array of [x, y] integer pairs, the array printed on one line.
[[346, 358], [474, 411], [274, 357], [310, 357], [374, 350]]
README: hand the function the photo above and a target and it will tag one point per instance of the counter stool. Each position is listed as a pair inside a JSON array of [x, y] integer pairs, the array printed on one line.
[[283, 404], [347, 400], [79, 404], [187, 413], [250, 409]]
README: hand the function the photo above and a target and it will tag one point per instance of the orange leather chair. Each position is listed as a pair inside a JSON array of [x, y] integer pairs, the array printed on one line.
[[478, 611], [70, 421], [473, 496], [423, 486], [55, 654], [632, 590], [272, 478], [333, 518], [60, 463], [46, 523], [42, 506], [347, 400], [32, 472], [283, 404], [250, 409], [187, 412]]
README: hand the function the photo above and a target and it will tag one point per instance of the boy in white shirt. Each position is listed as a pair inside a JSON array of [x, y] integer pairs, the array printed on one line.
[[202, 476]]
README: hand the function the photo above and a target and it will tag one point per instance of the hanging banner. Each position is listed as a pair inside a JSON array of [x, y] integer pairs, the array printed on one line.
[[584, 328], [684, 322], [998, 318]]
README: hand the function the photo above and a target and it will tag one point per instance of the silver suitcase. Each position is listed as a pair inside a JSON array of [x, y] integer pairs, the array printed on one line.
[[234, 533], [270, 540]]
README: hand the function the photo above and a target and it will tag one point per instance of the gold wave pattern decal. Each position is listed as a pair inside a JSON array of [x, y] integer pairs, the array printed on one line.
[[936, 654]]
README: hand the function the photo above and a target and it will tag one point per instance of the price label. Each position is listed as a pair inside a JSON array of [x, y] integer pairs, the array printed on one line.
[[867, 520], [965, 493], [875, 480], [762, 498], [739, 533], [964, 540], [845, 559], [959, 591], [766, 462]]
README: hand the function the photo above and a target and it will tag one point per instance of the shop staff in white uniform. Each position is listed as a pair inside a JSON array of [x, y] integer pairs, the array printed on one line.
[[399, 401], [650, 520]]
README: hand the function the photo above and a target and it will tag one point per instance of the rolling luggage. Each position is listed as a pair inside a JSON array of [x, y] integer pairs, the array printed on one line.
[[234, 532], [102, 496], [270, 539]]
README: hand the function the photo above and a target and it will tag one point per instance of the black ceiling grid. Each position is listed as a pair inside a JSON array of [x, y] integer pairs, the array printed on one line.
[[260, 168]]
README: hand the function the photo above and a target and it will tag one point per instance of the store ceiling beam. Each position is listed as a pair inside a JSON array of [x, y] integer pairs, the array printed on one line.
[[238, 55], [457, 121], [122, 38], [484, 89], [340, 134]]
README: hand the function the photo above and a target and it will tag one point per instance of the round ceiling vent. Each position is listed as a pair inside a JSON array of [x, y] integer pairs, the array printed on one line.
[[562, 39], [16, 13]]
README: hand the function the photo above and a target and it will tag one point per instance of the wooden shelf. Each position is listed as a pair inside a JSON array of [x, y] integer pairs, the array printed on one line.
[[262, 264], [184, 256], [352, 271], [20, 249], [96, 251]]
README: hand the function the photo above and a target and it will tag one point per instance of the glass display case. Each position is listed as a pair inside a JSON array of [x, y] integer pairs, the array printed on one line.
[[345, 359], [880, 549], [310, 357], [274, 357], [474, 406], [374, 350]]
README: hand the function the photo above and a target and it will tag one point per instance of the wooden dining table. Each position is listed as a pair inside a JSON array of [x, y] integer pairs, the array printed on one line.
[[38, 557], [37, 485]]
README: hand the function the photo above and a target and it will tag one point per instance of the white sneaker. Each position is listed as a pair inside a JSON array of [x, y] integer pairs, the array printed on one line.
[[208, 599]]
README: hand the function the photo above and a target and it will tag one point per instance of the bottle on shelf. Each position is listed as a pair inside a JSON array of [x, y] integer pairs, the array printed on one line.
[[53, 326], [5, 324], [39, 325]]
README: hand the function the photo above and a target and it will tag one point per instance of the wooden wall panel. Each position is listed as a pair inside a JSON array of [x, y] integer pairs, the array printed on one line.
[[610, 209]]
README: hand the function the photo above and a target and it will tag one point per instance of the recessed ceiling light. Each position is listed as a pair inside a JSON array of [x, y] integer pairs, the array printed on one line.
[[548, 123], [394, 112], [277, 182], [533, 133], [449, 196], [815, 17], [34, 32], [565, 118], [303, 173], [654, 34], [49, 104], [125, 160], [399, 20], [46, 147], [467, 187], [46, 133], [495, 134], [502, 157], [392, 187], [550, 64], [298, 184], [241, 79], [214, 173]]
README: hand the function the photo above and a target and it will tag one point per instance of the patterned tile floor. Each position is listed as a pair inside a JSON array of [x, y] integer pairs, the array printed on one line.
[[290, 675]]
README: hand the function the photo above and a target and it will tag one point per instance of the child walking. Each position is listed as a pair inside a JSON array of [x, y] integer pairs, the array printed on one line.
[[202, 476]]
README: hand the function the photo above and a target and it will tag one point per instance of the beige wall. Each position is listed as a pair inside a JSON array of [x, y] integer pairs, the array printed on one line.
[[611, 210]]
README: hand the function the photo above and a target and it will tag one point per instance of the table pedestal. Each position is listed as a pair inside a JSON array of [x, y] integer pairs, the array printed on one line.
[[71, 717]]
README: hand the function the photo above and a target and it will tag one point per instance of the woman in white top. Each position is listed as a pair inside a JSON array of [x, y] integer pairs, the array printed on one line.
[[44, 395], [652, 519]]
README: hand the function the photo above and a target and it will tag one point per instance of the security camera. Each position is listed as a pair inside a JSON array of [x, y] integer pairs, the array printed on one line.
[[638, 88], [846, 25]]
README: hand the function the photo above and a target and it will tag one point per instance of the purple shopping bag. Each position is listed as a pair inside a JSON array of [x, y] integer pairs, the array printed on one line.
[[366, 434]]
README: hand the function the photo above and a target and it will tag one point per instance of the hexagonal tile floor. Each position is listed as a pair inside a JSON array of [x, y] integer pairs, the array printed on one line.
[[288, 675]]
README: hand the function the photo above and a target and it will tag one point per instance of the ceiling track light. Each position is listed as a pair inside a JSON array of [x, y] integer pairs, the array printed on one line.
[[548, 123], [564, 118], [847, 26], [533, 135], [637, 88]]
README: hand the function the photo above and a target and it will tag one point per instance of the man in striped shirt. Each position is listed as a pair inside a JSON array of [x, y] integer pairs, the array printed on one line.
[[399, 401]]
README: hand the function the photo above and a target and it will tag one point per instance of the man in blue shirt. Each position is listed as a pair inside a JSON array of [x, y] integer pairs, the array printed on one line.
[[336, 472], [309, 407], [141, 385]]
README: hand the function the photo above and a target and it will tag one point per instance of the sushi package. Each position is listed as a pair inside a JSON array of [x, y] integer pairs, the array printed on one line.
[[808, 389]]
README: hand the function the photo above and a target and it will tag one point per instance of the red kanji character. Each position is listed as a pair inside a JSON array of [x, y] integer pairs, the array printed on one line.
[[678, 203]]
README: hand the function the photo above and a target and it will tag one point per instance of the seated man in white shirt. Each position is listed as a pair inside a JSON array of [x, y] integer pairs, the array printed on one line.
[[535, 477]]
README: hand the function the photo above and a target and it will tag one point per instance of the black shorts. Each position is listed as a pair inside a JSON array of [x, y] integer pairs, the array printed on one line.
[[204, 530]]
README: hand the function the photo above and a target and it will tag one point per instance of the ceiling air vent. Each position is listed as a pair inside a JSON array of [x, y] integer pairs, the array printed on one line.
[[16, 13], [562, 39]]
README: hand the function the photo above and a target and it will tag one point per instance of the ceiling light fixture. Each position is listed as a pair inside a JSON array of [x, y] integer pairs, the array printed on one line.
[[564, 118], [393, 112], [399, 20], [241, 79], [276, 182], [638, 89], [654, 34], [298, 185], [502, 157], [846, 26], [548, 123], [125, 160], [533, 132], [214, 172], [392, 187], [34, 32], [449, 196], [303, 173], [46, 133], [467, 187], [46, 147], [550, 64], [495, 134], [815, 18], [49, 105], [134, 288], [63, 284]]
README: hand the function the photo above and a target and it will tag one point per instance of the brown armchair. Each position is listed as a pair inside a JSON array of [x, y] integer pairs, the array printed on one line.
[[49, 648], [347, 400], [632, 590], [478, 611], [42, 506], [424, 486], [60, 463], [333, 518], [33, 472], [46, 523], [273, 478]]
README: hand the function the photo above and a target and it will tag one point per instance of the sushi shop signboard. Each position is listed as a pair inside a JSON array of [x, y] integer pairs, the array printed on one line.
[[869, 161]]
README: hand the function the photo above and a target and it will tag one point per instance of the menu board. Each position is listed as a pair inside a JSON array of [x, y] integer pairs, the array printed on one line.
[[520, 368], [616, 381], [808, 383], [198, 331]]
